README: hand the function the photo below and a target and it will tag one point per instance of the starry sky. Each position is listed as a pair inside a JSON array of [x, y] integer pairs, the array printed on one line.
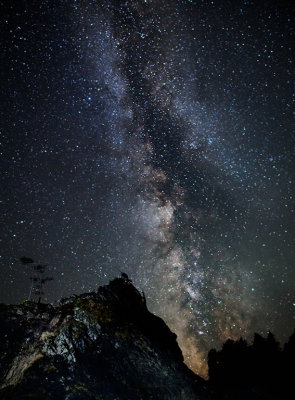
[[154, 138]]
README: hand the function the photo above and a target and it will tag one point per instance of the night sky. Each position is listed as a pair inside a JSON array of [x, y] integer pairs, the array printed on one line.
[[155, 138]]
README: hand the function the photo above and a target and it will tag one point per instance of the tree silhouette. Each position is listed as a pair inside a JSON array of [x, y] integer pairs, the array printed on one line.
[[258, 371], [36, 278]]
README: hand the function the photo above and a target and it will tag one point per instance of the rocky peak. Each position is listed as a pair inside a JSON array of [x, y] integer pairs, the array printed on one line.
[[99, 345]]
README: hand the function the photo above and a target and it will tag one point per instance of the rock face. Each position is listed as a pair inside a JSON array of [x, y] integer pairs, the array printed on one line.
[[104, 345]]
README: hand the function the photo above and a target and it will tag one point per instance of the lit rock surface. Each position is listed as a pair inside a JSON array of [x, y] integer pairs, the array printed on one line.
[[103, 345]]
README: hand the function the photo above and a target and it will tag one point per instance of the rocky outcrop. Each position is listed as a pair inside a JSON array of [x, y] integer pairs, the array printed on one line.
[[102, 345]]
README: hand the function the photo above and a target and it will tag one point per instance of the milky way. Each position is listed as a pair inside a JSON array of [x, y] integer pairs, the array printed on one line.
[[154, 138]]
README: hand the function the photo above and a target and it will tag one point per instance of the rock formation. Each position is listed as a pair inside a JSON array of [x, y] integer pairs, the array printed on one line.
[[102, 345]]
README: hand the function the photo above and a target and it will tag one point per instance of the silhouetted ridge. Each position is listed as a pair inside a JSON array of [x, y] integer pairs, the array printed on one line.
[[100, 345]]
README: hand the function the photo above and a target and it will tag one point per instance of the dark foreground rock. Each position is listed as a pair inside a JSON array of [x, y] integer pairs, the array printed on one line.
[[103, 345]]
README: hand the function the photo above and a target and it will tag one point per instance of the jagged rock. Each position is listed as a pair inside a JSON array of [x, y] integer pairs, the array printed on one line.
[[103, 345]]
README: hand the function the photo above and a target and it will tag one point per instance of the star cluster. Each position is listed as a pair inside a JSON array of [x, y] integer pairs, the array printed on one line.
[[154, 138]]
